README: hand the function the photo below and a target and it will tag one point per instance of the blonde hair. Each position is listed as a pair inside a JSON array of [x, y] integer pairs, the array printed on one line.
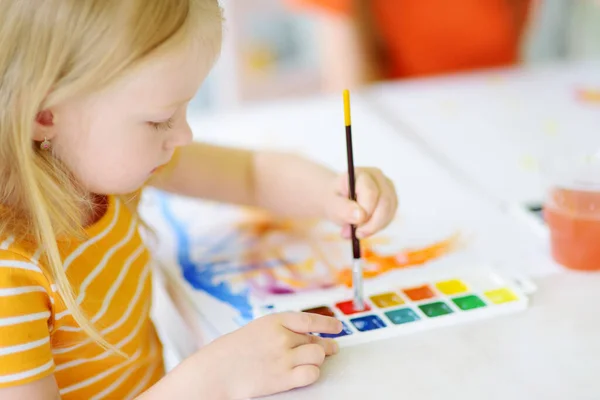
[[53, 50]]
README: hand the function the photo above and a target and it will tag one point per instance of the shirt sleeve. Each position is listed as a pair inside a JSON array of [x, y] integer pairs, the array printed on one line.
[[25, 321], [335, 6]]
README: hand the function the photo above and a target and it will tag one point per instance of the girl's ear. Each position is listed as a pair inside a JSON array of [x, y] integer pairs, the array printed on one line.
[[44, 128]]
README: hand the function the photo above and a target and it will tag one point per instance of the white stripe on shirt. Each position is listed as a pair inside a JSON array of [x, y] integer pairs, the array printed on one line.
[[115, 384], [133, 302], [110, 294], [100, 267], [96, 378], [20, 265], [6, 244], [24, 318], [21, 290], [105, 354], [6, 350], [83, 247], [147, 376]]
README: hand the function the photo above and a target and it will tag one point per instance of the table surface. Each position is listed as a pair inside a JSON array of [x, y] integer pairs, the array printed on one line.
[[433, 203], [498, 128], [549, 351]]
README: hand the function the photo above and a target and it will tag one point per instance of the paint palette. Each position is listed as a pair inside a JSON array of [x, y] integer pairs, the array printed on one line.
[[396, 309]]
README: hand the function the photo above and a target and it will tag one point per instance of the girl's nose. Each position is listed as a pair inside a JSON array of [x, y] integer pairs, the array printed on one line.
[[181, 136]]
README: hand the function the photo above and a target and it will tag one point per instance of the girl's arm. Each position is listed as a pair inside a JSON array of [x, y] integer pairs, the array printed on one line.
[[195, 377], [210, 172], [281, 183], [269, 355]]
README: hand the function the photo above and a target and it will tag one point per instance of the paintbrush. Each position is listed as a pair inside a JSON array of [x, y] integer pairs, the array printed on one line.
[[357, 267]]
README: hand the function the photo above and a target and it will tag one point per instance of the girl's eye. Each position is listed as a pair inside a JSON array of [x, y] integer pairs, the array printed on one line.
[[162, 126]]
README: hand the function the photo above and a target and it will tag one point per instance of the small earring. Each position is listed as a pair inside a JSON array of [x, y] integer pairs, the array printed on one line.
[[45, 145]]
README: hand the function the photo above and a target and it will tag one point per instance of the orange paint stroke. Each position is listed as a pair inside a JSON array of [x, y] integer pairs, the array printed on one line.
[[269, 235], [589, 95], [379, 265], [295, 283]]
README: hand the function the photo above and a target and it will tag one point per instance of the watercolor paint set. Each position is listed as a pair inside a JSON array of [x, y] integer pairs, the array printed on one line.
[[395, 308]]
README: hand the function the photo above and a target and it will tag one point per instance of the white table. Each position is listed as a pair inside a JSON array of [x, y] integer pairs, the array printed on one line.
[[496, 129], [547, 352]]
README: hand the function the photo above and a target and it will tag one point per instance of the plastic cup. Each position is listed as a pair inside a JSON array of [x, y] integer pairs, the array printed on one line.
[[572, 212]]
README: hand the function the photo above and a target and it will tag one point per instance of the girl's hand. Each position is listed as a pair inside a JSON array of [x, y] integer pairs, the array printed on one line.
[[273, 354], [375, 206]]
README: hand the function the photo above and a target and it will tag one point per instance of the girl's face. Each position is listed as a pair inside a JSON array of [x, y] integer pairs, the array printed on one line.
[[114, 140]]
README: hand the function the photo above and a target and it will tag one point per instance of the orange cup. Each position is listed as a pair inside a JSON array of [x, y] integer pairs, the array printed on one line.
[[573, 219], [572, 208]]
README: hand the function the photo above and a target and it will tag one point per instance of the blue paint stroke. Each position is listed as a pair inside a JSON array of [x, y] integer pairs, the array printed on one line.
[[202, 275]]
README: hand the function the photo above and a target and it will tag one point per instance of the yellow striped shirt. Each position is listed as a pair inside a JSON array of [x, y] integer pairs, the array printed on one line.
[[110, 272]]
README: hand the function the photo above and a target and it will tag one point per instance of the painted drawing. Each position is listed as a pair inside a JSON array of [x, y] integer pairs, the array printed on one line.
[[236, 255]]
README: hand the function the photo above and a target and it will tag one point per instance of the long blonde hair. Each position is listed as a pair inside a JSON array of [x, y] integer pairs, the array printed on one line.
[[53, 50]]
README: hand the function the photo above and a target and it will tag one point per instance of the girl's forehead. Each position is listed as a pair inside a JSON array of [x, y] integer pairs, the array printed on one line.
[[165, 81]]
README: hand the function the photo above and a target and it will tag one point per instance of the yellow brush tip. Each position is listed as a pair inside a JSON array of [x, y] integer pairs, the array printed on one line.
[[347, 119]]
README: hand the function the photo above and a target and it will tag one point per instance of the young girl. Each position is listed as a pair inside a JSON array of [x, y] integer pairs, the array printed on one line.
[[93, 97]]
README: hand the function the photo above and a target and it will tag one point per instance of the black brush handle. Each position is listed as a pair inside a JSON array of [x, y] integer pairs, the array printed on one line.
[[352, 185]]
